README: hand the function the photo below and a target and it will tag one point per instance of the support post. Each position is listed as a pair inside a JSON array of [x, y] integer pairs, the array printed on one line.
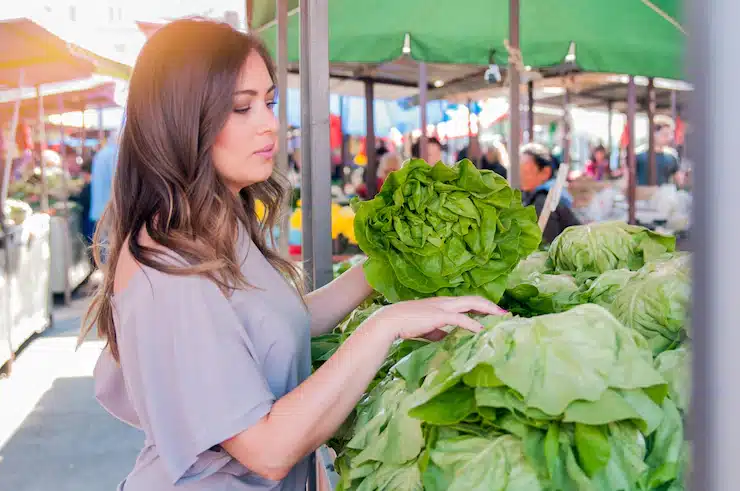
[[315, 150], [67, 238], [423, 99], [566, 127], [631, 162], [652, 161], [42, 147], [371, 168], [530, 111], [714, 107], [514, 111], [609, 122], [282, 82]]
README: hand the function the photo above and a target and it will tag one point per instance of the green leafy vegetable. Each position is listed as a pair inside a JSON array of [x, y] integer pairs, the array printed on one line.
[[656, 302], [444, 231], [604, 288], [675, 367], [599, 247]]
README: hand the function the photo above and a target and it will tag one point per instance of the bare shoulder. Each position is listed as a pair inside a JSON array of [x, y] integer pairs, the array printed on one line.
[[127, 266]]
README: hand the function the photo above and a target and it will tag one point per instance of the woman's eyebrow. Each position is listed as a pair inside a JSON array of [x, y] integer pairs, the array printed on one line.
[[253, 92]]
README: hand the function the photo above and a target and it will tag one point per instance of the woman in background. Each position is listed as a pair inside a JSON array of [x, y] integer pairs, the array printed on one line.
[[538, 171]]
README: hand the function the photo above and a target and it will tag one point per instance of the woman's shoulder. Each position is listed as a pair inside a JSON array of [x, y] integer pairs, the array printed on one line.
[[134, 279]]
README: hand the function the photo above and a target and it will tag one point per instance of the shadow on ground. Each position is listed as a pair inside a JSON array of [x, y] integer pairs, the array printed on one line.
[[68, 443]]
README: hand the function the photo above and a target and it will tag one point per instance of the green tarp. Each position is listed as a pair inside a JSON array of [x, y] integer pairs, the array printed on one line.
[[634, 37]]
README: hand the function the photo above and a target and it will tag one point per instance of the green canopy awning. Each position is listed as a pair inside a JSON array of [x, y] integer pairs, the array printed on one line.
[[634, 37]]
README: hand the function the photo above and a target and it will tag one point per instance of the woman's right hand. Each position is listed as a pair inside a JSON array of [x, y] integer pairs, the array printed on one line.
[[425, 318]]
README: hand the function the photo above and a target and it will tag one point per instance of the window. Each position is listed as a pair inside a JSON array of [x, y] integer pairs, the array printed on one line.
[[72, 13], [111, 14]]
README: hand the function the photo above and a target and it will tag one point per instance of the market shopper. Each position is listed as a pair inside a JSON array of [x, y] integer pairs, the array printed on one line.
[[538, 171], [666, 158], [208, 344], [598, 167], [101, 182], [434, 150]]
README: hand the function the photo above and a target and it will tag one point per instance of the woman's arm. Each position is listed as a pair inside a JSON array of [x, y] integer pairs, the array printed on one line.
[[302, 420], [332, 303]]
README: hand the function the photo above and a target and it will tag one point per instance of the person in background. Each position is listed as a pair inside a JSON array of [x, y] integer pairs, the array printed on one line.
[[434, 150], [101, 180], [666, 158], [491, 160], [87, 227], [389, 162], [599, 167], [538, 171]]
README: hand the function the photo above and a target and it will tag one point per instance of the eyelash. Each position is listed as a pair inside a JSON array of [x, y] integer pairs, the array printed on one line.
[[245, 110]]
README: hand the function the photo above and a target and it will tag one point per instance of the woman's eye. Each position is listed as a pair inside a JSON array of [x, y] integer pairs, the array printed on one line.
[[271, 104], [242, 110]]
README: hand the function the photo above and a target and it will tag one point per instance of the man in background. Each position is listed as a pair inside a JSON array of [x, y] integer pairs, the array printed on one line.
[[666, 158], [101, 181]]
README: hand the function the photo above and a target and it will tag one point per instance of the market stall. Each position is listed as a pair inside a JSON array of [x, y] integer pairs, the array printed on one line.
[[33, 57], [70, 263]]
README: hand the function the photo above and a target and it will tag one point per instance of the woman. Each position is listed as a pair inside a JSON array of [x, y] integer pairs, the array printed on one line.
[[538, 170], [598, 168], [207, 344]]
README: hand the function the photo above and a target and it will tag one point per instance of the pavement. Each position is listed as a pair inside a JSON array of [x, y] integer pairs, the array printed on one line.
[[53, 434]]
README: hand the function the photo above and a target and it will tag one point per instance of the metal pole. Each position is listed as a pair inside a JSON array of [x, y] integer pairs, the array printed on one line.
[[101, 130], [609, 122], [566, 127], [8, 158], [282, 82], [42, 147], [315, 150], [423, 99], [83, 135], [371, 168], [652, 161], [714, 107], [631, 164], [530, 110], [515, 126], [66, 239]]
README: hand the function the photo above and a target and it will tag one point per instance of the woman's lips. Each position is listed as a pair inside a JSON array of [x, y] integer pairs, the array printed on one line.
[[267, 152]]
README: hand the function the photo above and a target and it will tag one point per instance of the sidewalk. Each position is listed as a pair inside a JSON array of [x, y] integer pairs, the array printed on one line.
[[53, 434]]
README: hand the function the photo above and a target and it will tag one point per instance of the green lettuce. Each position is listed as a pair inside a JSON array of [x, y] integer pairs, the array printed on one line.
[[568, 401], [599, 247], [540, 294], [656, 302], [675, 366], [606, 286], [444, 231]]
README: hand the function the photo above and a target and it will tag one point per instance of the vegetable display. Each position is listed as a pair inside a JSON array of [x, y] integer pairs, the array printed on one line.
[[444, 231], [581, 387]]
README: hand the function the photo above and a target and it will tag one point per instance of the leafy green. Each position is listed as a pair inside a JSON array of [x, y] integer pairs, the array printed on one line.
[[537, 262], [443, 231], [540, 294], [600, 247], [656, 302], [675, 367], [606, 286], [567, 401]]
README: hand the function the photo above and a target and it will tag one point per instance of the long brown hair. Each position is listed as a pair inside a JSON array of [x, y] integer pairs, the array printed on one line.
[[180, 96]]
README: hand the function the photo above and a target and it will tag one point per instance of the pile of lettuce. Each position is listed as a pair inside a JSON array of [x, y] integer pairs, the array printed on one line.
[[568, 401], [444, 231], [582, 387]]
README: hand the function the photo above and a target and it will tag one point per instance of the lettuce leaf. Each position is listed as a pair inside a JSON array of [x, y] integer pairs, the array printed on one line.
[[443, 231]]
